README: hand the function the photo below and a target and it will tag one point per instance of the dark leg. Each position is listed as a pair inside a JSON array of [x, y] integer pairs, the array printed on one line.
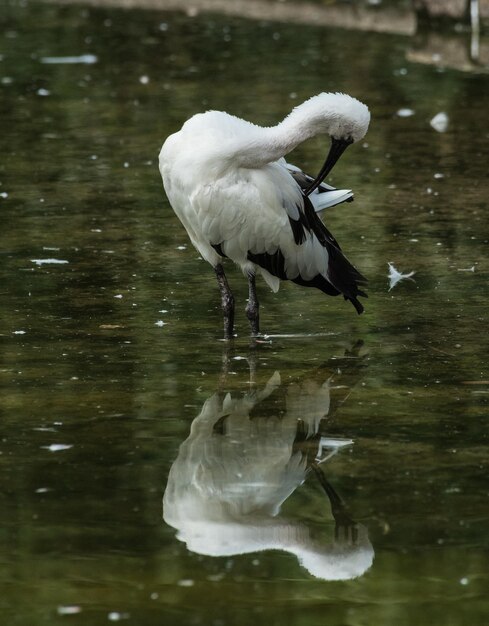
[[252, 308], [227, 301]]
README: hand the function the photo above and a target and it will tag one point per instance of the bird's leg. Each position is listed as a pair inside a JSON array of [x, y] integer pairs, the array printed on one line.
[[252, 308], [227, 301]]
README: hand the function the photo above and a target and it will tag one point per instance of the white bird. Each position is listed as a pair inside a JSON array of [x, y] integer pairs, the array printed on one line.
[[233, 191]]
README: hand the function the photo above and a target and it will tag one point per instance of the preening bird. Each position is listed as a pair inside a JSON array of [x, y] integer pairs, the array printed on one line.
[[229, 184]]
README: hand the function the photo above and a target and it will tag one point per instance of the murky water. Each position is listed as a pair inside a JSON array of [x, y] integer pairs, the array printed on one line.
[[115, 385]]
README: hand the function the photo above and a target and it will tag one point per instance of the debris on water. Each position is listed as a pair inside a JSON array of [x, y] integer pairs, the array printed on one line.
[[119, 295], [464, 581], [296, 335], [87, 59], [18, 332], [466, 269], [115, 616], [186, 582], [4, 194], [215, 578], [49, 261], [438, 175], [69, 610], [405, 113], [395, 276], [57, 447], [43, 92], [160, 323], [144, 80], [440, 122]]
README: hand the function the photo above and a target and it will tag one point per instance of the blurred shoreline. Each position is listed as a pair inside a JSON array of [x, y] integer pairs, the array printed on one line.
[[396, 20], [462, 47], [372, 16]]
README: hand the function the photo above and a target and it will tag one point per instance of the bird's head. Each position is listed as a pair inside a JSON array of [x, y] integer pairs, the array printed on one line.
[[336, 114], [343, 118]]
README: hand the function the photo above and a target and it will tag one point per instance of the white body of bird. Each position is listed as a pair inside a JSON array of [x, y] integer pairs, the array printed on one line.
[[233, 191]]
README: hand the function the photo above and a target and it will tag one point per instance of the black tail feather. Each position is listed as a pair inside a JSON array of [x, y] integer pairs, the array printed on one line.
[[358, 305], [342, 276]]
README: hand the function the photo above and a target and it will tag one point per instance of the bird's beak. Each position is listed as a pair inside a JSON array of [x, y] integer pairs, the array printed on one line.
[[338, 146]]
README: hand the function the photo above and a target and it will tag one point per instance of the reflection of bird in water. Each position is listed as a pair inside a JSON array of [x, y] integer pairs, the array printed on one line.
[[230, 186], [237, 468]]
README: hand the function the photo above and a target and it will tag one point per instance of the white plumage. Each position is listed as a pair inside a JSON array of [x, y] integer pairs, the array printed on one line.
[[233, 191]]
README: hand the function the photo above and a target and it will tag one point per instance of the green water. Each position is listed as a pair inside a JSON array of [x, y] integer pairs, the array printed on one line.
[[108, 359]]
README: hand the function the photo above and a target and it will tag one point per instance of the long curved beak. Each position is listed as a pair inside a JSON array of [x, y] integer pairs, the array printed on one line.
[[338, 146]]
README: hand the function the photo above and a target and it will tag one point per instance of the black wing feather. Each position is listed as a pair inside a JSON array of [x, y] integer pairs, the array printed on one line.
[[343, 277]]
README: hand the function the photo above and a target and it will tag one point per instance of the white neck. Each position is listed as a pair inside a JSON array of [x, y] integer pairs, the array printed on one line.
[[334, 114], [271, 144]]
